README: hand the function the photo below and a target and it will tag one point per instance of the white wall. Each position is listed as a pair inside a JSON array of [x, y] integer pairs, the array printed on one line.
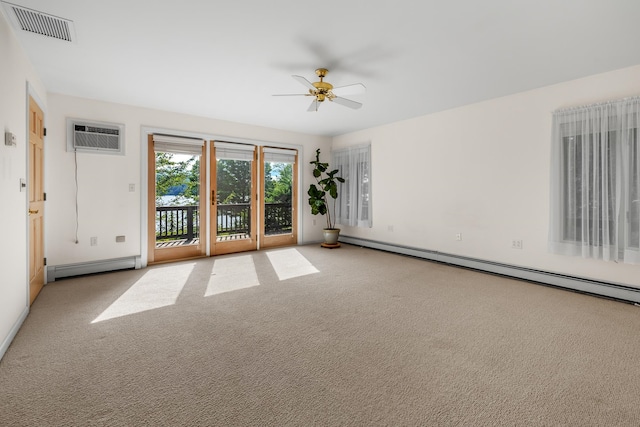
[[15, 72], [482, 170], [106, 207]]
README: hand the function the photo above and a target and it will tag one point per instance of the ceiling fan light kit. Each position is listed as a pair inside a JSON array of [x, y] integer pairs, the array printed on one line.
[[322, 90]]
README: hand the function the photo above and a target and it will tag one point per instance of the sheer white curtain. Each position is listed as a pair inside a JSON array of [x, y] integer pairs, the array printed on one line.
[[595, 181], [353, 205]]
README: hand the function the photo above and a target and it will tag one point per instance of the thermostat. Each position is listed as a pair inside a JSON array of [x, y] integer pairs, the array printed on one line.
[[9, 139]]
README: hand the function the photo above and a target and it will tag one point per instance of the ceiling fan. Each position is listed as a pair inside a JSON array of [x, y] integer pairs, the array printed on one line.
[[323, 90]]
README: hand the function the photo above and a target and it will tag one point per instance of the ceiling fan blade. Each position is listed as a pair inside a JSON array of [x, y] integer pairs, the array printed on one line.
[[353, 89], [314, 105], [346, 102], [306, 83], [291, 94]]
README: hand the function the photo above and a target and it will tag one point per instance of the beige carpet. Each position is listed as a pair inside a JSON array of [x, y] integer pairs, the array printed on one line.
[[370, 339]]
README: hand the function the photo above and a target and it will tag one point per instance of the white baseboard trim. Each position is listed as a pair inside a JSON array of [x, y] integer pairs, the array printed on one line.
[[12, 333], [606, 289], [59, 271]]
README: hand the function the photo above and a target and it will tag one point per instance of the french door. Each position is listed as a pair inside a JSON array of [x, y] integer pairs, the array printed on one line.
[[251, 198], [278, 196], [177, 197], [233, 198]]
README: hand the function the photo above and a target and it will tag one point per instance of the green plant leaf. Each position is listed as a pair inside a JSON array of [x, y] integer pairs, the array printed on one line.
[[333, 190], [326, 183]]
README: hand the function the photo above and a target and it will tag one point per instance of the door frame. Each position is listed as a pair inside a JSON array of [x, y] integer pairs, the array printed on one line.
[[146, 130], [283, 239], [241, 245], [181, 252]]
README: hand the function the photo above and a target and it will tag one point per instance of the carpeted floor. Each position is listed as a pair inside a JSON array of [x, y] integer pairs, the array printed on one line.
[[307, 336]]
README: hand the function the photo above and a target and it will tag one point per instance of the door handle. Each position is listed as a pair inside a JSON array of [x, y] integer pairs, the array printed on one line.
[[213, 197], [33, 211]]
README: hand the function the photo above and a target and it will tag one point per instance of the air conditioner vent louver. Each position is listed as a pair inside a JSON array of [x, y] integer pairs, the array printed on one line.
[[83, 136], [42, 23], [95, 137]]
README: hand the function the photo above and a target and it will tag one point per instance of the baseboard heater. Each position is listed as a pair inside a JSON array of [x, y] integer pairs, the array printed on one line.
[[606, 289], [59, 271]]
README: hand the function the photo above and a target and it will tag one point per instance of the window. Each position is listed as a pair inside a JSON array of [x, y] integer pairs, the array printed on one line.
[[595, 182], [353, 206]]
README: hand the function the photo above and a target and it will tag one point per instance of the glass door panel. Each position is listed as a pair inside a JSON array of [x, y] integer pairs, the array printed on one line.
[[233, 199], [176, 192], [278, 219]]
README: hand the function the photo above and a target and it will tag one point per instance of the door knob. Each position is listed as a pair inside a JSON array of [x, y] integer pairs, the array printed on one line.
[[33, 211]]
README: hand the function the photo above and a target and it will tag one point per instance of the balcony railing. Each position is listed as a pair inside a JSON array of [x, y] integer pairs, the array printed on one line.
[[182, 222], [234, 219], [277, 218], [177, 222]]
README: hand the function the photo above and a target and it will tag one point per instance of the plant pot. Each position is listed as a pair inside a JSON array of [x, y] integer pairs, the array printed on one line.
[[331, 235]]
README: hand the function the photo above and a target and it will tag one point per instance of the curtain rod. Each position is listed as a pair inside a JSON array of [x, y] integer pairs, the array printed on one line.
[[598, 104]]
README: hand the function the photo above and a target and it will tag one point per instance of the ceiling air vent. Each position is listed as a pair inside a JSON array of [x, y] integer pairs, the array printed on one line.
[[40, 23], [94, 137]]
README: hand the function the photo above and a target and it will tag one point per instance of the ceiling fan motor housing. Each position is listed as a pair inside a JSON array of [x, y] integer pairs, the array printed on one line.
[[322, 88]]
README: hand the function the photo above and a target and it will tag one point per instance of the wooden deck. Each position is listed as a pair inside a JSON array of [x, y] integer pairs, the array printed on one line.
[[176, 243], [229, 237], [196, 241]]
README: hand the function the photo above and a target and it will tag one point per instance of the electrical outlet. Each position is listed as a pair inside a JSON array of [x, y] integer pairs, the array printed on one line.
[[94, 241], [458, 236], [516, 244], [390, 228], [132, 188]]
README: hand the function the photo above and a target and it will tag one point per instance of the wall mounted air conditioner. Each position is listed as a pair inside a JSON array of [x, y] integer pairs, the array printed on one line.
[[95, 137]]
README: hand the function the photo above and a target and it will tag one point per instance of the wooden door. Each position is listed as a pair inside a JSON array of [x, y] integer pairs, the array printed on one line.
[[178, 230], [36, 200], [233, 198], [279, 197]]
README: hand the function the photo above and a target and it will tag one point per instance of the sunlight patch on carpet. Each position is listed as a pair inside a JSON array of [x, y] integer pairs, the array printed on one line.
[[290, 263], [231, 274], [159, 287]]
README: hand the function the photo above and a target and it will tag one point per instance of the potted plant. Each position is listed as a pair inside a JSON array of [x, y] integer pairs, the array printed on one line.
[[326, 186]]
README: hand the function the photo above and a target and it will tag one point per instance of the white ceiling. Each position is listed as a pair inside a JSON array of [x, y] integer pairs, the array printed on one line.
[[225, 59]]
